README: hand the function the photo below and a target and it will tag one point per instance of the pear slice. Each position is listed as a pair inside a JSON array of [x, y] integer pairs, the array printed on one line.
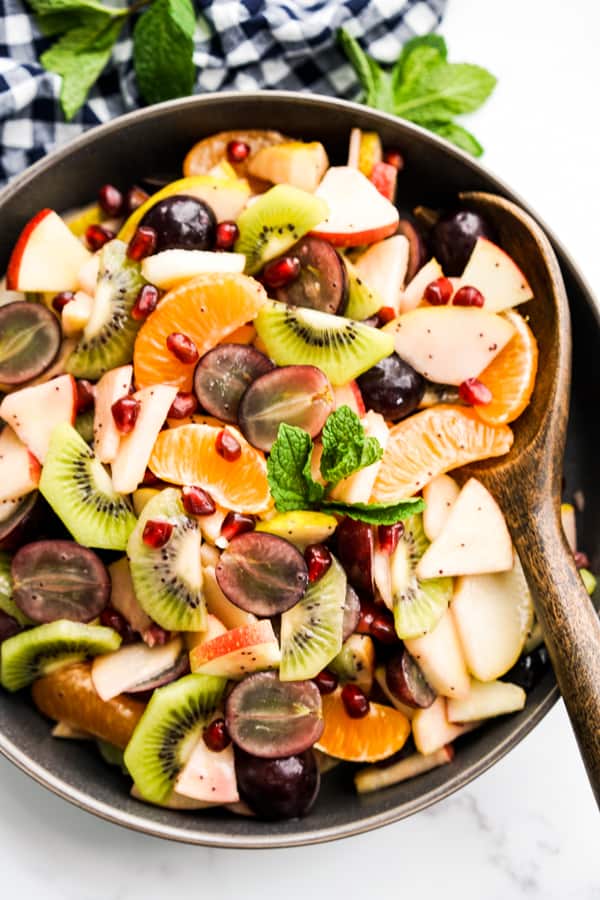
[[494, 698], [439, 496], [432, 730], [493, 616], [383, 269], [474, 540], [440, 658]]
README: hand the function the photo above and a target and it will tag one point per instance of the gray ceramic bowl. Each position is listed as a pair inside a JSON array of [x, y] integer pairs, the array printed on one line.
[[154, 141]]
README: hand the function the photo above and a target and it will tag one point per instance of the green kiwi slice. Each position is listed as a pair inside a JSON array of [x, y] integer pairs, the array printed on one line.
[[7, 604], [362, 301], [109, 336], [79, 490], [418, 605], [41, 650], [311, 631], [168, 580], [273, 223], [168, 731], [341, 348], [355, 662]]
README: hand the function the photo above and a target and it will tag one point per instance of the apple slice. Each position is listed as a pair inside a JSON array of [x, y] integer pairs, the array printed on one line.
[[493, 616], [208, 776], [440, 658], [358, 214], [46, 257], [359, 487], [473, 541], [449, 344], [251, 648], [383, 269], [293, 162], [123, 598], [432, 730], [497, 276], [439, 496], [412, 295], [87, 278], [135, 667], [171, 267], [111, 387], [76, 314], [129, 465], [214, 628], [34, 412], [221, 606], [349, 395], [19, 469], [494, 698]]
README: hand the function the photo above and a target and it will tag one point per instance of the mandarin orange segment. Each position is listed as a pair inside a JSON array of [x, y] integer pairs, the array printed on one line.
[[511, 375], [379, 734], [206, 309], [188, 455], [432, 442]]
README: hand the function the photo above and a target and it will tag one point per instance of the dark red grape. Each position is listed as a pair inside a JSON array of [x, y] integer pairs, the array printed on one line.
[[297, 395], [29, 341], [355, 548], [222, 376], [59, 580], [453, 238], [528, 669], [321, 282], [278, 788], [262, 573], [181, 222], [272, 718], [406, 681], [8, 626], [392, 388], [351, 612], [417, 253]]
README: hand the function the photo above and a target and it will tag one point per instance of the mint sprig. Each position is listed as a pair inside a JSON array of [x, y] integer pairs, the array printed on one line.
[[346, 448], [163, 48], [423, 86], [289, 470]]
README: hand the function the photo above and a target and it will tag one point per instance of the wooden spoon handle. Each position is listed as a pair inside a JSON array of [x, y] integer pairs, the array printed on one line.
[[570, 625]]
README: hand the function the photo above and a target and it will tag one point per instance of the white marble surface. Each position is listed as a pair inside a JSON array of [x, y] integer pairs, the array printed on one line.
[[529, 827]]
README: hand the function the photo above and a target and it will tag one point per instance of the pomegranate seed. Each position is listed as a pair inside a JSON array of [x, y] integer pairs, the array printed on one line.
[[110, 200], [282, 271], [142, 244], [125, 412], [185, 404], [581, 559], [134, 198], [216, 737], [394, 158], [326, 681], [150, 479], [355, 701], [236, 523], [60, 301], [197, 502], [112, 618], [468, 296], [439, 292], [156, 534], [388, 536], [97, 236], [86, 395], [382, 629], [385, 315], [237, 151], [146, 302], [227, 446], [226, 235], [318, 560], [473, 392], [155, 636], [183, 348]]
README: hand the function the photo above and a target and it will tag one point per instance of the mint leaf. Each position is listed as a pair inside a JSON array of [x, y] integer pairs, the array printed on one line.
[[346, 448], [289, 472], [375, 81], [458, 135], [418, 54], [443, 91], [376, 513], [163, 50], [47, 7]]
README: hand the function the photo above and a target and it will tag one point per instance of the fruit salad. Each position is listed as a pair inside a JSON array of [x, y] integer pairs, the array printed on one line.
[[235, 551]]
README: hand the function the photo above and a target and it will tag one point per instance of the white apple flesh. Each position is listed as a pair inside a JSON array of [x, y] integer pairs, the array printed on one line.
[[440, 658], [485, 700], [412, 295], [439, 496], [47, 256], [251, 648], [172, 267], [208, 776], [383, 269], [119, 672], [34, 412], [358, 214], [432, 730], [19, 469], [496, 276], [129, 465], [111, 387]]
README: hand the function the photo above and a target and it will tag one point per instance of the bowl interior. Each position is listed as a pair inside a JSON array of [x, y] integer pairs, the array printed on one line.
[[154, 142]]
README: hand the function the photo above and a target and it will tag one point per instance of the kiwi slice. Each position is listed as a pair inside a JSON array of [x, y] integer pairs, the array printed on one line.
[[274, 222], [418, 604], [168, 731], [109, 336], [79, 490], [362, 301], [7, 604], [311, 631], [355, 662], [112, 755], [342, 348], [301, 527], [168, 580], [41, 650]]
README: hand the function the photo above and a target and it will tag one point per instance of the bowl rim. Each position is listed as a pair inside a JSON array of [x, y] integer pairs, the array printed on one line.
[[308, 836]]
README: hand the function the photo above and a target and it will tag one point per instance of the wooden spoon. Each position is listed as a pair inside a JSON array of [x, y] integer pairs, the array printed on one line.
[[527, 482]]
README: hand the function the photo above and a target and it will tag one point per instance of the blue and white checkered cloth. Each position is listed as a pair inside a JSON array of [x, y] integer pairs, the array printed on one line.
[[239, 45]]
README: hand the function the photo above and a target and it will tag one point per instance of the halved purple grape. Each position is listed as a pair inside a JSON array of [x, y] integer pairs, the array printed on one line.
[[271, 718], [222, 376], [181, 666], [278, 788], [351, 612], [406, 681], [417, 254], [262, 573], [59, 580], [297, 395], [8, 626], [355, 550], [15, 519], [29, 341], [322, 283]]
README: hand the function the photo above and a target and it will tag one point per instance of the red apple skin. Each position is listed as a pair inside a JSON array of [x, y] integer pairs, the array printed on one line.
[[14, 265], [384, 177], [357, 238], [236, 639]]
